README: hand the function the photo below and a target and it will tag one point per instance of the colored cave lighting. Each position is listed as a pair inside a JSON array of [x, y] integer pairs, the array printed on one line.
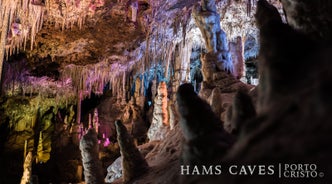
[[107, 142]]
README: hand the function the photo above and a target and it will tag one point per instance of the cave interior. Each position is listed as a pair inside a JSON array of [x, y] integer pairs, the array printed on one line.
[[133, 91]]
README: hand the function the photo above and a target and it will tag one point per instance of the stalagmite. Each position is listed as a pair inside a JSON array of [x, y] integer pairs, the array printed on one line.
[[138, 97], [205, 138], [241, 111], [40, 151], [215, 101], [89, 150], [95, 120], [267, 17], [160, 123], [25, 149], [27, 169], [90, 122], [133, 163]]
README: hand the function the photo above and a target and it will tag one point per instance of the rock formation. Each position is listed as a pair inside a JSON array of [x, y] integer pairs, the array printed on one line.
[[27, 169], [241, 111], [138, 97], [133, 163], [75, 50], [205, 138], [236, 49], [114, 171], [215, 101], [89, 150], [160, 121], [292, 123], [217, 65]]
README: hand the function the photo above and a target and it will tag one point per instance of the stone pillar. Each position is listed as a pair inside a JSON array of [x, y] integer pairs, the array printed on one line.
[[160, 123], [236, 50], [218, 58], [138, 96]]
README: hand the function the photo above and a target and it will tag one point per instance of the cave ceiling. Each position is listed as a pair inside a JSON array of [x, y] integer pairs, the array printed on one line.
[[64, 39]]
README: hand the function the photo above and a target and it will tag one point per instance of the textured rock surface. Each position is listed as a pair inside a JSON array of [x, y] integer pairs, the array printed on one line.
[[114, 171], [302, 16], [289, 129], [133, 163], [89, 150], [200, 126], [108, 52], [27, 169], [160, 122], [241, 111]]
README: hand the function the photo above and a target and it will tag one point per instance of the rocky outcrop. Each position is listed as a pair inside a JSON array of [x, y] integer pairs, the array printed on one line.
[[302, 16], [114, 171], [133, 163]]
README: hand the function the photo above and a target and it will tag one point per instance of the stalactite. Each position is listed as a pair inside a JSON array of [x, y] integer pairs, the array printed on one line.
[[78, 113], [124, 91], [27, 15], [4, 22], [236, 50], [142, 85], [30, 21], [170, 52], [133, 163]]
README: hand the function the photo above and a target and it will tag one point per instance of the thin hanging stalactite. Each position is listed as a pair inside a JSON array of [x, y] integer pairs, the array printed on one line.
[[3, 39]]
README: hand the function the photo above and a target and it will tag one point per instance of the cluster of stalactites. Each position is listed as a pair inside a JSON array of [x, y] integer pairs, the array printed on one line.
[[24, 20], [66, 14], [95, 77], [20, 20]]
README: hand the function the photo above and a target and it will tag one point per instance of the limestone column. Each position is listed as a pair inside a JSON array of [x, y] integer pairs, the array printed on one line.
[[160, 122]]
